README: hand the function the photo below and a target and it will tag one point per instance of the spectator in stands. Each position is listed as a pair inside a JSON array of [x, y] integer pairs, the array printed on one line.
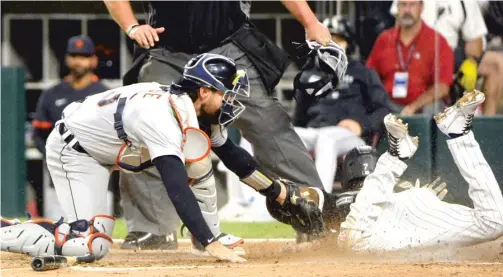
[[491, 65], [462, 25], [80, 83], [407, 61], [348, 116]]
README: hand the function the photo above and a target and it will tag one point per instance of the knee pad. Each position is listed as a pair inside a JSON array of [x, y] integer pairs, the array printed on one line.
[[102, 224], [97, 244], [203, 187], [29, 238], [96, 241]]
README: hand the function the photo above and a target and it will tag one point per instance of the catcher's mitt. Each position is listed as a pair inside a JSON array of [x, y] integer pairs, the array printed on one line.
[[300, 209]]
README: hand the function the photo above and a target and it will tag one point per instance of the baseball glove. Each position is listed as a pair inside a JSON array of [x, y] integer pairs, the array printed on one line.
[[300, 210]]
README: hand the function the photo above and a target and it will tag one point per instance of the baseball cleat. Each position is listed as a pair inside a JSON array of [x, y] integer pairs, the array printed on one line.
[[400, 143], [456, 120], [230, 241], [149, 241]]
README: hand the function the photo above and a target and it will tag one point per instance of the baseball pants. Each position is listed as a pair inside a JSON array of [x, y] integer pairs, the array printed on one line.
[[382, 220], [264, 123], [328, 143], [80, 181]]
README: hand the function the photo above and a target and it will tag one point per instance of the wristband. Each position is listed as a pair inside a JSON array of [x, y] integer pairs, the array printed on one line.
[[130, 28]]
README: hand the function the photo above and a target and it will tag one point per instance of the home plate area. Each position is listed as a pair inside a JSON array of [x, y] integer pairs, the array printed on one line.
[[279, 258]]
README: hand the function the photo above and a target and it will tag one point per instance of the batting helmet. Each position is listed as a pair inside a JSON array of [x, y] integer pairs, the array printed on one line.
[[323, 71], [358, 164], [218, 73], [342, 27]]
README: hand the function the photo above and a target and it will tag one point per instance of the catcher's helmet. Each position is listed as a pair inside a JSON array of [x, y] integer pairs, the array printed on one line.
[[219, 73], [342, 27], [358, 164], [323, 71]]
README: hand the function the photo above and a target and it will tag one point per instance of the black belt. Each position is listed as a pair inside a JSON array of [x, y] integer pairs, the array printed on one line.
[[70, 138]]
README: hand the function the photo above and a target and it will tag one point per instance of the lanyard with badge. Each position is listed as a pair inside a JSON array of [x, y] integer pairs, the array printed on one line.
[[401, 80]]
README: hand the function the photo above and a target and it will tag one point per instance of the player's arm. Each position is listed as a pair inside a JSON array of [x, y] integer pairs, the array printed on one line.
[[42, 126], [303, 13], [122, 13], [239, 161], [284, 199], [175, 179], [300, 117]]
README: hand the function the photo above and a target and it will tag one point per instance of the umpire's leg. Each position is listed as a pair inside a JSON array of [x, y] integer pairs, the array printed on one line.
[[267, 126], [147, 208]]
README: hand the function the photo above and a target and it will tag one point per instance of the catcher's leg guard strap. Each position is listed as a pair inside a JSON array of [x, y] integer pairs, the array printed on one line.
[[204, 189], [29, 238]]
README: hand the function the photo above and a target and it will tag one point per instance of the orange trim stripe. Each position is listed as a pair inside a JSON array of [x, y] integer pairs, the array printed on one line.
[[41, 124], [207, 151], [93, 236]]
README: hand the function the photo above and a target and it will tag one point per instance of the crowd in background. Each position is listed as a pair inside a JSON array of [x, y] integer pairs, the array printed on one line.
[[409, 57]]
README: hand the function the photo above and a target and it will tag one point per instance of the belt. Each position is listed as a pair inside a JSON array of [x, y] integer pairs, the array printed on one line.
[[70, 139]]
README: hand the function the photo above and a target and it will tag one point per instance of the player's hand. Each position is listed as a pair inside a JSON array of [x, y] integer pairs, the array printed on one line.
[[439, 189], [219, 251], [145, 35], [319, 33], [351, 125]]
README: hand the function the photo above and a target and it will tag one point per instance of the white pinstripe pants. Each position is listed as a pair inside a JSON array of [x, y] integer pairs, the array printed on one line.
[[383, 220]]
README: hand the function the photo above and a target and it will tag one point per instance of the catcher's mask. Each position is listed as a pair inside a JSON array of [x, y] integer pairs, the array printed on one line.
[[323, 71], [218, 73]]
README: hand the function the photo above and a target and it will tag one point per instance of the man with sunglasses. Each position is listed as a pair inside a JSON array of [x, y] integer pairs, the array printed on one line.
[[81, 82], [154, 128]]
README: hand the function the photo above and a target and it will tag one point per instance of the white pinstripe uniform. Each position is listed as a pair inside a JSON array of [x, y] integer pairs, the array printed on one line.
[[383, 220]]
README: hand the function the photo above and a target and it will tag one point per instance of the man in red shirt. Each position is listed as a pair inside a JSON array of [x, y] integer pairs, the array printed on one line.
[[406, 57]]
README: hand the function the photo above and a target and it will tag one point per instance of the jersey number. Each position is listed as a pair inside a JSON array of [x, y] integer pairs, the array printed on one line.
[[107, 100]]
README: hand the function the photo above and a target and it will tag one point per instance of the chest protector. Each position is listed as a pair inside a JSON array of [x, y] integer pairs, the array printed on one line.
[[196, 144]]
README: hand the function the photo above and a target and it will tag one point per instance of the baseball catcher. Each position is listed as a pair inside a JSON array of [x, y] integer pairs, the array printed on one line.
[[153, 127]]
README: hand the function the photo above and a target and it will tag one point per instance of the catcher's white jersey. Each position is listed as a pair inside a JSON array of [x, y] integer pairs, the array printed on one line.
[[149, 120], [382, 220]]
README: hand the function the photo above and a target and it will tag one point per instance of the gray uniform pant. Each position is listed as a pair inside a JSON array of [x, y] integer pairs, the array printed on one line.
[[265, 124]]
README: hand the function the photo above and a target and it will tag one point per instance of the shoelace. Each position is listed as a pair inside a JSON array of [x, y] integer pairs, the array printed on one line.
[[393, 145], [468, 124]]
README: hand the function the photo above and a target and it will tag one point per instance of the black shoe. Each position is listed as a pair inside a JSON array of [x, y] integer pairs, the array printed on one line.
[[148, 241]]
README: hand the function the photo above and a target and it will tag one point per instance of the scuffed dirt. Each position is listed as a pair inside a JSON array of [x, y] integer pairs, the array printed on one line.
[[279, 259]]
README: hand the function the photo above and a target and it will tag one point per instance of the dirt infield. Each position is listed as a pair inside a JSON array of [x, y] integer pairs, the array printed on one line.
[[279, 259]]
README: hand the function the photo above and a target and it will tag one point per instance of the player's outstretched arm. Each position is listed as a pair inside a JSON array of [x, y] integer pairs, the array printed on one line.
[[175, 179], [284, 199]]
